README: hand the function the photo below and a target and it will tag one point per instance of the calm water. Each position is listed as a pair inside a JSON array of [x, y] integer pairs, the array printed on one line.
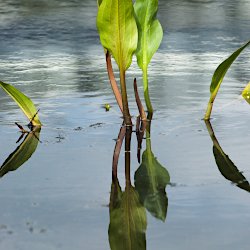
[[59, 198]]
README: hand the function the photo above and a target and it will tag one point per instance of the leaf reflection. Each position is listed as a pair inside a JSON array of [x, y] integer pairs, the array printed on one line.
[[127, 209], [128, 220], [151, 179], [225, 165], [22, 153]]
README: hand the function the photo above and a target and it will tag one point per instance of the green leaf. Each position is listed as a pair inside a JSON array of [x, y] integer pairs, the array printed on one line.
[[218, 78], [151, 179], [229, 170], [22, 153], [118, 31], [223, 67], [150, 32], [128, 220], [99, 2], [246, 93], [23, 102]]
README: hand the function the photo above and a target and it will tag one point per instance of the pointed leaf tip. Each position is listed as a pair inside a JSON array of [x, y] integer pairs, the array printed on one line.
[[23, 102]]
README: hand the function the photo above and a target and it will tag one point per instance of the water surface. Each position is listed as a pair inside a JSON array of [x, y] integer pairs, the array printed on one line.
[[59, 198]]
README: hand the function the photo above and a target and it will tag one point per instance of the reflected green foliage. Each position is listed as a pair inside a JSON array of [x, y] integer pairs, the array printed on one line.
[[225, 165], [23, 102], [22, 153], [218, 77], [151, 179], [117, 29], [229, 170], [150, 35], [246, 93], [128, 222]]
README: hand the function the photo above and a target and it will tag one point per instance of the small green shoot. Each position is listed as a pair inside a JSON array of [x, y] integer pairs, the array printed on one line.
[[150, 36], [23, 102], [218, 78]]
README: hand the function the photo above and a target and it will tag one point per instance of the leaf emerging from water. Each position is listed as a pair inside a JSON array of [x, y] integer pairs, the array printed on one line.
[[128, 220], [223, 67], [151, 179], [23, 102]]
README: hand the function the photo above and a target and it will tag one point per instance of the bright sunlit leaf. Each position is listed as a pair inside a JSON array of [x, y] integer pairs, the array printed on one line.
[[246, 93], [23, 102], [150, 35], [118, 31], [149, 30]]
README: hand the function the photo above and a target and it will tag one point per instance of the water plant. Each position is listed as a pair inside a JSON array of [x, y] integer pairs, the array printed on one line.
[[124, 30], [150, 36], [118, 34], [24, 102], [218, 76]]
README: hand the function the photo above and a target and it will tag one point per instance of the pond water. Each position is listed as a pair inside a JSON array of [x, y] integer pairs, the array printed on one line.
[[59, 198]]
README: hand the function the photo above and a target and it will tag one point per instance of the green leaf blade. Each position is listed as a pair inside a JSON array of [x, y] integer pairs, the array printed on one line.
[[150, 31], [223, 68], [23, 102], [117, 29]]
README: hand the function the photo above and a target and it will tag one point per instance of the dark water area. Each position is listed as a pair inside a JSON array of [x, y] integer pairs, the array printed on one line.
[[59, 198]]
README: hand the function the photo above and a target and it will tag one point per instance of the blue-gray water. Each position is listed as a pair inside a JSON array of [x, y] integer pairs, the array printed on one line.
[[59, 198]]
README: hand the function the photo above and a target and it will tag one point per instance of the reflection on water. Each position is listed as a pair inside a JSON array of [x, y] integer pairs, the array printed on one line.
[[225, 165], [22, 153], [128, 221], [51, 50]]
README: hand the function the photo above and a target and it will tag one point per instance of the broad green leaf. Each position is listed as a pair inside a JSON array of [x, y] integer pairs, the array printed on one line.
[[23, 102], [246, 93], [128, 220], [22, 153], [118, 31], [229, 170], [223, 67], [151, 179], [150, 32]]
